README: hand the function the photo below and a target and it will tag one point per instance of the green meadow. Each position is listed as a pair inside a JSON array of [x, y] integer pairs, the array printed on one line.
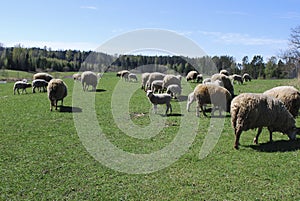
[[42, 156]]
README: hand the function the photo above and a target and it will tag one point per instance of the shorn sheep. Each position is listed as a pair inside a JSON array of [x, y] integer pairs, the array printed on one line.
[[199, 78], [89, 78], [156, 86], [170, 80], [225, 80], [192, 75], [77, 76], [246, 77], [144, 79], [174, 90], [40, 84], [237, 78], [250, 111], [212, 94], [152, 77], [57, 90], [21, 85], [159, 99], [123, 74], [132, 77], [289, 95], [224, 72], [44, 76]]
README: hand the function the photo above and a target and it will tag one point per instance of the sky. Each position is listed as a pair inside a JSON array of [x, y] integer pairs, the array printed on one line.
[[236, 28]]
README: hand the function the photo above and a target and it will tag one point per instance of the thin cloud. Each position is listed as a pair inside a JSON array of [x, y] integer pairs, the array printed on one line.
[[89, 7], [290, 15]]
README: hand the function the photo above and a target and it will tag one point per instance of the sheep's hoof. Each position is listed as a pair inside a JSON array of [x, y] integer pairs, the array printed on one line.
[[236, 146]]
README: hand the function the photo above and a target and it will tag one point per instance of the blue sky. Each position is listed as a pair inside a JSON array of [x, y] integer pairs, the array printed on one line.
[[225, 27]]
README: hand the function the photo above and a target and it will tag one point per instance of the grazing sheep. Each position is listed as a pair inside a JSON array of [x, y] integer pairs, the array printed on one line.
[[192, 75], [225, 80], [174, 90], [206, 80], [289, 95], [40, 84], [57, 90], [212, 94], [156, 86], [43, 76], [224, 72], [216, 82], [89, 78], [159, 99], [123, 74], [237, 78], [152, 77], [77, 76], [246, 77], [21, 85], [145, 77], [250, 111], [199, 78], [132, 77], [99, 75], [190, 100], [169, 80]]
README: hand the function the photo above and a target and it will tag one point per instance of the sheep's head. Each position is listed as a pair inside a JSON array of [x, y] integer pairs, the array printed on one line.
[[149, 93]]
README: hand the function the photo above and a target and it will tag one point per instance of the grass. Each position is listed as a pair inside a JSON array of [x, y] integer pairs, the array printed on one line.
[[43, 158]]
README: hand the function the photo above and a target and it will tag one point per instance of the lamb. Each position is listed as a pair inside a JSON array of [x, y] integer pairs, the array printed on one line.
[[212, 94], [170, 80], [192, 75], [154, 76], [174, 90], [190, 100], [21, 85], [226, 82], [89, 78], [289, 95], [39, 83], [246, 77], [132, 77], [237, 78], [145, 77], [77, 76], [156, 86], [44, 76], [159, 99], [224, 72], [250, 111], [57, 90]]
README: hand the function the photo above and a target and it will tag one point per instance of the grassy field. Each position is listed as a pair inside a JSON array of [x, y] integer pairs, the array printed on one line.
[[43, 157]]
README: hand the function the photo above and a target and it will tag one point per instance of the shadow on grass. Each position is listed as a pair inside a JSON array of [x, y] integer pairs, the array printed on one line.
[[100, 90], [278, 146], [173, 115], [70, 109]]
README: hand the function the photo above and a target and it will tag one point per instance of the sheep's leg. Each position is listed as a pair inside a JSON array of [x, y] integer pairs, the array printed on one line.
[[56, 104], [255, 141], [197, 111], [270, 133], [237, 138], [169, 107], [155, 109], [33, 89], [203, 111]]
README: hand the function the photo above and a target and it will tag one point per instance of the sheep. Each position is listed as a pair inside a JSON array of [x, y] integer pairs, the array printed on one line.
[[123, 74], [224, 72], [57, 90], [237, 78], [250, 111], [39, 83], [192, 75], [246, 77], [199, 78], [77, 76], [289, 95], [159, 99], [174, 90], [99, 75], [89, 78], [225, 80], [156, 86], [216, 82], [206, 80], [145, 77], [21, 85], [190, 100], [169, 80], [212, 94], [132, 77], [152, 77], [43, 76]]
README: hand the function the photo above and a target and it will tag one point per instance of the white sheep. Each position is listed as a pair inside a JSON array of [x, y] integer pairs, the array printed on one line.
[[99, 75], [57, 90], [199, 78], [250, 111], [206, 80], [246, 77], [190, 100], [156, 86], [145, 77], [123, 74], [40, 84], [21, 85], [89, 78], [159, 99], [224, 72], [289, 95], [212, 94], [192, 75], [132, 77], [152, 77], [237, 78], [170, 80], [225, 80], [174, 90], [44, 76], [77, 76]]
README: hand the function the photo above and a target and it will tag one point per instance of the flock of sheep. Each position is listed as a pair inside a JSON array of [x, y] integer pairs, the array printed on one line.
[[275, 109]]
